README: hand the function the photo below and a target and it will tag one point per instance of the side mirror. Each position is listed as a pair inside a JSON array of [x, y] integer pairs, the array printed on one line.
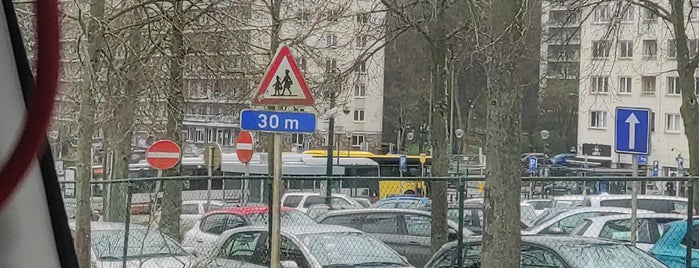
[[289, 264]]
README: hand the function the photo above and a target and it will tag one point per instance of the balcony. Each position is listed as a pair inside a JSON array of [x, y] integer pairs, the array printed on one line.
[[211, 120]]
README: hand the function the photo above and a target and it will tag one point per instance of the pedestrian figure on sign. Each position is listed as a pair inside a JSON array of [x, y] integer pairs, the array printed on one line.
[[278, 87], [287, 83]]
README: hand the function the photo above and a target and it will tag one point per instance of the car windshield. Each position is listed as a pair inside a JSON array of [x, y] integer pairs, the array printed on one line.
[[550, 214], [345, 249], [405, 204], [288, 217], [108, 244], [606, 255]]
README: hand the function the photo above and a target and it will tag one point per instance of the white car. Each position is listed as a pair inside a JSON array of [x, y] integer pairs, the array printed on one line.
[[303, 200], [618, 227], [564, 223], [207, 230], [540, 205], [657, 203], [307, 246], [568, 201], [193, 210], [148, 248]]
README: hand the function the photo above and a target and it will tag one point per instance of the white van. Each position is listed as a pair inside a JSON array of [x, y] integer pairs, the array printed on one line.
[[657, 203]]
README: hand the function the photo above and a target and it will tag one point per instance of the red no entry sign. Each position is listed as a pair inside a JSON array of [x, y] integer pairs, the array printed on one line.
[[163, 154], [243, 147]]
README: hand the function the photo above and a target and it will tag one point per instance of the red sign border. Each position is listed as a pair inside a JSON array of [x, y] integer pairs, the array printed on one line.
[[284, 52]]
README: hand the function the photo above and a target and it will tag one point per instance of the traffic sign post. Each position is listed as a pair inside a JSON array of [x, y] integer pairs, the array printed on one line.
[[282, 85], [161, 155], [423, 159], [403, 167], [632, 136], [212, 159], [533, 164], [244, 151]]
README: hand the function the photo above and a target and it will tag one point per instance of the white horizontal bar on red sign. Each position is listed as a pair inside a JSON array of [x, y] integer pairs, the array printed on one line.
[[243, 146], [162, 155]]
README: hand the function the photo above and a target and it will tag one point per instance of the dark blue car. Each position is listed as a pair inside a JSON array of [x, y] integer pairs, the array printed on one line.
[[671, 249]]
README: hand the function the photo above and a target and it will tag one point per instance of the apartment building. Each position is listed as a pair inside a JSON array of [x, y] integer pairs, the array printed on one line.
[[630, 65]]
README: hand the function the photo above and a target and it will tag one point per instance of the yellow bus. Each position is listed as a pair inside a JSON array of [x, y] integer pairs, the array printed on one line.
[[389, 167]]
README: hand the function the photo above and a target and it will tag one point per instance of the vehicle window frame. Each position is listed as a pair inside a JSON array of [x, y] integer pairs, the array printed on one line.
[[695, 237], [231, 218], [640, 238], [399, 222], [302, 262], [307, 204], [293, 204], [203, 225], [358, 217], [404, 218], [561, 262], [224, 251]]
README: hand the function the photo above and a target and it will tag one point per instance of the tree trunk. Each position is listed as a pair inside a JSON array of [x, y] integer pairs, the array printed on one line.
[[172, 189], [501, 232], [123, 124], [86, 121], [440, 163]]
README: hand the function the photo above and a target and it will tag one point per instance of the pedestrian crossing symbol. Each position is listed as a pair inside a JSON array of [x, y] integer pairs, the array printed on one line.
[[283, 84]]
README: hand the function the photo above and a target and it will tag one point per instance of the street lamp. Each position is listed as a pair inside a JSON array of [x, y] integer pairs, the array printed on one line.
[[459, 135], [348, 135]]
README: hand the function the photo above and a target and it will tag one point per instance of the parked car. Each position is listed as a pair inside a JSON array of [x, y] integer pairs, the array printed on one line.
[[406, 231], [564, 223], [473, 216], [671, 248], [192, 211], [568, 201], [657, 203], [303, 201], [304, 246], [557, 188], [206, 230], [318, 210], [540, 205], [406, 202], [554, 251], [147, 248], [618, 227]]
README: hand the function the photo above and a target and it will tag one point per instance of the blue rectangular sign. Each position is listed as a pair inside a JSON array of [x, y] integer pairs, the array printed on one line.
[[273, 121], [632, 131]]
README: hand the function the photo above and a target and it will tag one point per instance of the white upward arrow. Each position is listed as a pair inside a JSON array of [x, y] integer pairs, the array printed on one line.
[[632, 121]]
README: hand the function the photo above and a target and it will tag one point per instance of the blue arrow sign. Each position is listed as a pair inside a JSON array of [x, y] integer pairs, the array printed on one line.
[[272, 121], [533, 163], [632, 135], [403, 163]]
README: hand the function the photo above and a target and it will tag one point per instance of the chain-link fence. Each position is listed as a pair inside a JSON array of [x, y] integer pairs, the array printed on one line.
[[387, 222]]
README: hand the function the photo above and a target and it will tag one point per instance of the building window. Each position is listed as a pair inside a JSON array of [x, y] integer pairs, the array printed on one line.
[[603, 13], [362, 41], [210, 135], [672, 87], [598, 119], [625, 85], [673, 123], [331, 40], [360, 91], [297, 138], [650, 49], [648, 15], [188, 135], [648, 85], [361, 67], [330, 65], [199, 135], [628, 13], [359, 115], [362, 18], [357, 140], [671, 49], [600, 49], [600, 84], [625, 49]]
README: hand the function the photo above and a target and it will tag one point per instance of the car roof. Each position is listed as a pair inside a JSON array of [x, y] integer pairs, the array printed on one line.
[[189, 202], [551, 241], [537, 200], [375, 210], [405, 197], [245, 210], [622, 196], [640, 216], [569, 197], [312, 194], [300, 229]]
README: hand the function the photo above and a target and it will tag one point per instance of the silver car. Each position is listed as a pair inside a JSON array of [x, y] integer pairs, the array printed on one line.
[[311, 246], [147, 248], [618, 227], [564, 223], [406, 231]]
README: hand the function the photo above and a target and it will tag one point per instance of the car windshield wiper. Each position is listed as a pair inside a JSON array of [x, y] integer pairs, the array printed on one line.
[[367, 264]]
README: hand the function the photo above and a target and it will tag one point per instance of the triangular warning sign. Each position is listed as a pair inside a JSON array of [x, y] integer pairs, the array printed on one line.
[[283, 84]]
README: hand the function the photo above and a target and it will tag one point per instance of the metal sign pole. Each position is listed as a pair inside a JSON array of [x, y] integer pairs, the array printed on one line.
[[634, 200], [210, 171], [246, 184], [276, 203]]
